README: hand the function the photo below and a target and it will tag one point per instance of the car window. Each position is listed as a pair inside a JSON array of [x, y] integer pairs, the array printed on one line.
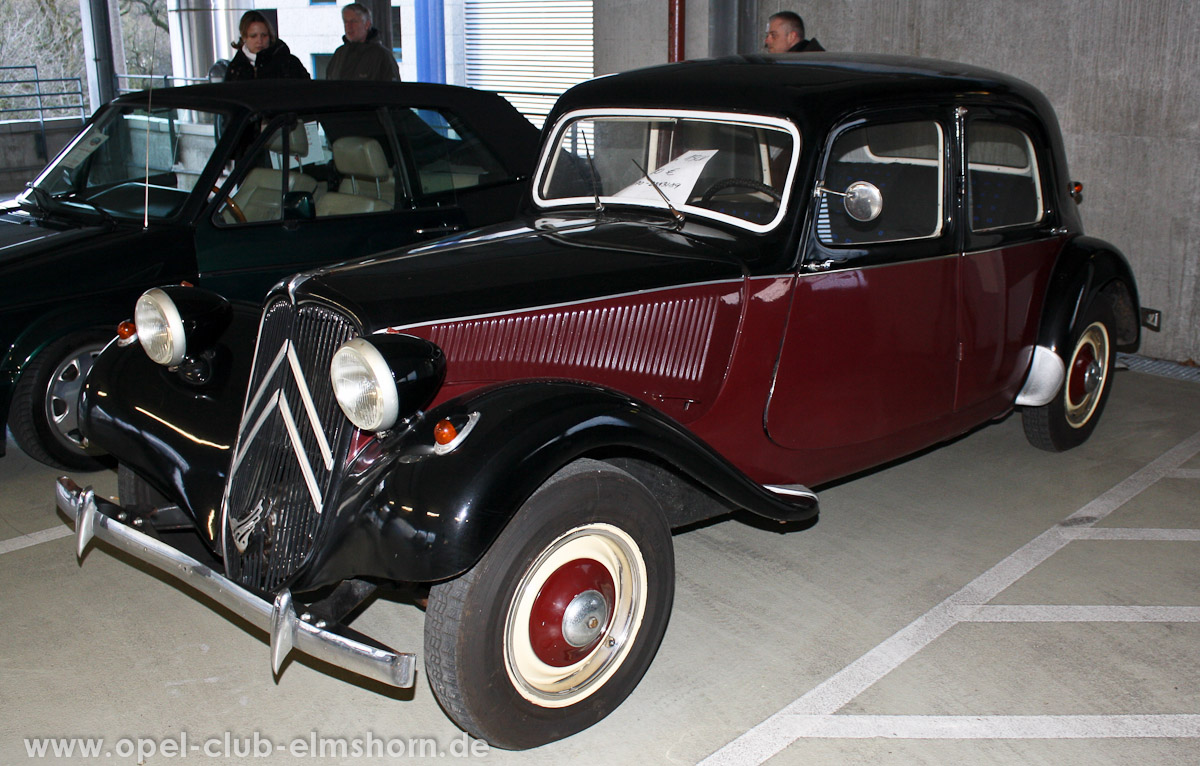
[[727, 167], [344, 162], [905, 161], [1003, 183], [446, 154], [133, 162]]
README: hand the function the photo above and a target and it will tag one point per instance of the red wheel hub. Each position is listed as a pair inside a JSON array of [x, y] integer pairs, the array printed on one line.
[[571, 612], [1077, 387]]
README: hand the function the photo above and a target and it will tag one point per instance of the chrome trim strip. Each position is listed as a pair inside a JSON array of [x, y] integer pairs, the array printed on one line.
[[749, 283], [309, 407], [791, 490], [287, 631], [1045, 378], [310, 479], [548, 156]]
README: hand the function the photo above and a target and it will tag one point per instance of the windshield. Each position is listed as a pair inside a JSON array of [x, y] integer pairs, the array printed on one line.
[[130, 163], [732, 168]]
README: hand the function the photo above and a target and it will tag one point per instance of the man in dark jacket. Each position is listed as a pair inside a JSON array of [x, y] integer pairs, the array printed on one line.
[[362, 55], [785, 34], [260, 54]]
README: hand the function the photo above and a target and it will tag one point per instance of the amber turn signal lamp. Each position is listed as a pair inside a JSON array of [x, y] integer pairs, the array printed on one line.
[[126, 330], [444, 432]]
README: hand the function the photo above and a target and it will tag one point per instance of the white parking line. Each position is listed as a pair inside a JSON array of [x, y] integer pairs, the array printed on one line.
[[1063, 613], [34, 538], [992, 726], [816, 709]]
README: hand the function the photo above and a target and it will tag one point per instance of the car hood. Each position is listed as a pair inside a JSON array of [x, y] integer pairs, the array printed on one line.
[[522, 265], [22, 235]]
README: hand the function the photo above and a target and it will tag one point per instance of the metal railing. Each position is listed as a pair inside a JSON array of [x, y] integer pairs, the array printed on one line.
[[23, 97], [28, 99]]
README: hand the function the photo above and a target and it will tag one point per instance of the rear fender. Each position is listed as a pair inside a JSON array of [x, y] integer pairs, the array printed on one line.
[[1090, 269]]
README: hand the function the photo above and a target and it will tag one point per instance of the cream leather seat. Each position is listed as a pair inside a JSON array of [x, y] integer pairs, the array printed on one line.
[[260, 194], [366, 186]]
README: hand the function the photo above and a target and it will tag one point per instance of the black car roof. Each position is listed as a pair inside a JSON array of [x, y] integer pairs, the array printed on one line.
[[278, 95], [499, 124], [809, 88]]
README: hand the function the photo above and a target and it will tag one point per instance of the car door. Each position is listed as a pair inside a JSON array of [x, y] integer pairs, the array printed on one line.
[[1010, 246], [314, 189], [868, 361]]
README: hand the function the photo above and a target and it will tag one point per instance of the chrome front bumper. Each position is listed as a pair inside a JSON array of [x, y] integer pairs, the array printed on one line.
[[101, 519]]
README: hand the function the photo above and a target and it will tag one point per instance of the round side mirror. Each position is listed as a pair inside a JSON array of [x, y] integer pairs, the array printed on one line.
[[863, 201]]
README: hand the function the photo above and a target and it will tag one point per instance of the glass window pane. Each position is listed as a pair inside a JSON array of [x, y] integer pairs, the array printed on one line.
[[904, 160], [1003, 182]]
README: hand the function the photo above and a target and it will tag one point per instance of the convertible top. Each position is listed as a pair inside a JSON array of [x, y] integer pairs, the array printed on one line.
[[504, 128]]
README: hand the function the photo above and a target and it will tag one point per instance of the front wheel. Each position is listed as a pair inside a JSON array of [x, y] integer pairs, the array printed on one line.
[[44, 417], [1069, 419], [556, 624]]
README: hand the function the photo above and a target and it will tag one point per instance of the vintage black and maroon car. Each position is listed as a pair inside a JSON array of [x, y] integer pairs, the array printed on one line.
[[736, 279]]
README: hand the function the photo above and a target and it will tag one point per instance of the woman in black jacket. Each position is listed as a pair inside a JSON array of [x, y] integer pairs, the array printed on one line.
[[260, 54]]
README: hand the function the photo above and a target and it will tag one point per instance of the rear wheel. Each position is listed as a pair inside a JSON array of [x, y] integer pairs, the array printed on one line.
[[560, 619], [45, 410], [1069, 419]]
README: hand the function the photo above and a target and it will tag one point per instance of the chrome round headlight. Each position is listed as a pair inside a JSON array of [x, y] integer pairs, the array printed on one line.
[[364, 386], [160, 327]]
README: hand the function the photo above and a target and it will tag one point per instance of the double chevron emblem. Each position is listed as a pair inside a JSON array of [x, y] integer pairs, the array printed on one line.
[[270, 400]]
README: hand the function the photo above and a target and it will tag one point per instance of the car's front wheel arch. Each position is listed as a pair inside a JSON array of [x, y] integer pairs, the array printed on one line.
[[557, 623]]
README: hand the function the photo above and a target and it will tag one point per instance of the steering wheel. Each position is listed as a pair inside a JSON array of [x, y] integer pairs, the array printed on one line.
[[238, 215], [748, 183]]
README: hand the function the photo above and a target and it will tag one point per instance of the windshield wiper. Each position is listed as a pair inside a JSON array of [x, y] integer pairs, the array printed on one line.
[[596, 183], [104, 214], [678, 215], [41, 200]]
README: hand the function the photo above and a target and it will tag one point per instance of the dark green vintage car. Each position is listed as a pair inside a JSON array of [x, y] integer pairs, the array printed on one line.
[[229, 187]]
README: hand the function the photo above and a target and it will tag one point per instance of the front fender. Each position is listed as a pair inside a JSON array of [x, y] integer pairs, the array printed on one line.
[[176, 434], [417, 516]]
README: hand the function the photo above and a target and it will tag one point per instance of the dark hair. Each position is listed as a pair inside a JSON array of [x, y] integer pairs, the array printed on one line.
[[248, 18], [792, 19]]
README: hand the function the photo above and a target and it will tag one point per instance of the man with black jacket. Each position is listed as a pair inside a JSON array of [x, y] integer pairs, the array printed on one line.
[[785, 34]]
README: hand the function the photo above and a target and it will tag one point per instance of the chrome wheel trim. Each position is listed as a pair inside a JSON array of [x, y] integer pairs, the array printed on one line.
[[1087, 375], [61, 402], [554, 687]]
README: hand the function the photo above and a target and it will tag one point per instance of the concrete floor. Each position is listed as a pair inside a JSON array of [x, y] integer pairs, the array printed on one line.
[[984, 602]]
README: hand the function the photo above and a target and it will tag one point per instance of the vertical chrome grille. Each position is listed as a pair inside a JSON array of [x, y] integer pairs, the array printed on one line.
[[287, 443]]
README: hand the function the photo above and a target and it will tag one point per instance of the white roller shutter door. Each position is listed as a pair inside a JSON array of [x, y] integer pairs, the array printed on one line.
[[529, 51]]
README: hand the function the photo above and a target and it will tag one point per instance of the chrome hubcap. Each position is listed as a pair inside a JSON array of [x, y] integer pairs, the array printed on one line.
[[584, 618]]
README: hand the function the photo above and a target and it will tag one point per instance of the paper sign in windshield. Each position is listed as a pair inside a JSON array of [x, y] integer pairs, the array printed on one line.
[[676, 179], [83, 148]]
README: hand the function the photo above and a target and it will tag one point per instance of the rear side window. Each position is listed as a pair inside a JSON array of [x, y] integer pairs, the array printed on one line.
[[446, 154], [905, 161], [1003, 183]]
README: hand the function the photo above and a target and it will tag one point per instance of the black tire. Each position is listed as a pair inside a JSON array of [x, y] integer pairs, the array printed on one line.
[[1069, 419], [592, 531], [44, 417]]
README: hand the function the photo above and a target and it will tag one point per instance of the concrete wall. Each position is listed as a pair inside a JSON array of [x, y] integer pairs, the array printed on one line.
[[19, 146], [1123, 77]]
